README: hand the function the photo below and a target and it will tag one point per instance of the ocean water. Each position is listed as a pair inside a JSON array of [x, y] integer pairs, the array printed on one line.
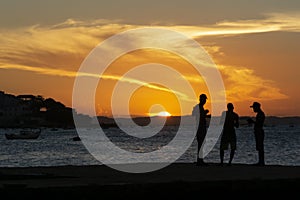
[[56, 148]]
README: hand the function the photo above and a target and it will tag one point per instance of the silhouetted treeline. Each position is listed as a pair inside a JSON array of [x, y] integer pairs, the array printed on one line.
[[33, 111]]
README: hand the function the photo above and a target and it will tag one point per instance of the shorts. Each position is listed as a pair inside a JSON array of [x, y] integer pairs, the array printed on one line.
[[228, 139], [201, 134]]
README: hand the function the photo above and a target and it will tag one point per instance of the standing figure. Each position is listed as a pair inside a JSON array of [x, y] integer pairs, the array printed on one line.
[[201, 116], [259, 133], [228, 133]]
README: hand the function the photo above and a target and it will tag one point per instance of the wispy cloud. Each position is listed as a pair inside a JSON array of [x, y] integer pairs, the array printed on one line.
[[73, 74], [243, 84], [275, 21], [70, 41], [289, 22], [194, 78], [59, 46]]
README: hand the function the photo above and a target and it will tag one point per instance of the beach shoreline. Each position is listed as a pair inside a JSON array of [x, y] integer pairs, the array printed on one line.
[[179, 179]]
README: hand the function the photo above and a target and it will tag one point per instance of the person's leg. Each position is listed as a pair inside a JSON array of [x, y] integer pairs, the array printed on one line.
[[256, 136], [221, 156], [262, 151], [232, 151], [223, 147], [260, 148], [200, 140], [198, 151], [261, 157], [232, 147], [199, 144]]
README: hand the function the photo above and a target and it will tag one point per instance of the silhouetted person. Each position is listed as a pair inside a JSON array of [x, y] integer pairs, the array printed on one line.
[[201, 116], [259, 132], [228, 133]]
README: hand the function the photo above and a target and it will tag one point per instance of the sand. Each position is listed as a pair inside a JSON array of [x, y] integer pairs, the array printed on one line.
[[176, 180]]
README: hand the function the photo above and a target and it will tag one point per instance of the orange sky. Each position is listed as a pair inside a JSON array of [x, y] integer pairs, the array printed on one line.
[[256, 52], [145, 97]]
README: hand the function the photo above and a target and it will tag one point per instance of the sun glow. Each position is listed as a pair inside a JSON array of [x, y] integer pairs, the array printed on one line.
[[164, 114], [160, 114]]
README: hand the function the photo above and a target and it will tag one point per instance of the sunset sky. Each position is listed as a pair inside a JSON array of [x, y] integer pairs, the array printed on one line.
[[255, 45]]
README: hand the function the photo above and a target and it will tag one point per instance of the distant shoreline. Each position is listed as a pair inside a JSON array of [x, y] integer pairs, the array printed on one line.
[[30, 111], [107, 122], [175, 120]]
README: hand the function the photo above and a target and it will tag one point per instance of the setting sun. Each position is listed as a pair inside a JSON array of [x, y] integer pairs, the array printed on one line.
[[160, 114], [164, 114]]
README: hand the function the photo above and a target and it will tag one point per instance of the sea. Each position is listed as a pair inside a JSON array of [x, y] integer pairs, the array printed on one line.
[[56, 147]]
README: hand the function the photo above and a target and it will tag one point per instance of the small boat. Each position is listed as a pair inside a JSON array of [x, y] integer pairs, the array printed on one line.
[[77, 138], [24, 134]]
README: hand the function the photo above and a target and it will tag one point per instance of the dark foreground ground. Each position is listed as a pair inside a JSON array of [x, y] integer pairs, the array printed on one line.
[[175, 181]]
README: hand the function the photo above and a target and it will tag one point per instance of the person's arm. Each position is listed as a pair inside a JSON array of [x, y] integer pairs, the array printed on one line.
[[206, 114], [237, 121]]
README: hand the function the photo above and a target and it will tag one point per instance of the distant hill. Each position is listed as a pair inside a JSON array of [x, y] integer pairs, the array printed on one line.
[[34, 111]]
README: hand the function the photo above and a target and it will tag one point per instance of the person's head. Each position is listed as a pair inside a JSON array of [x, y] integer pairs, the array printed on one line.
[[202, 99], [230, 107], [255, 106]]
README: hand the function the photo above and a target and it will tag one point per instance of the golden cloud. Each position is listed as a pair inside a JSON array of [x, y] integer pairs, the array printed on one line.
[[73, 74], [73, 39], [242, 84]]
